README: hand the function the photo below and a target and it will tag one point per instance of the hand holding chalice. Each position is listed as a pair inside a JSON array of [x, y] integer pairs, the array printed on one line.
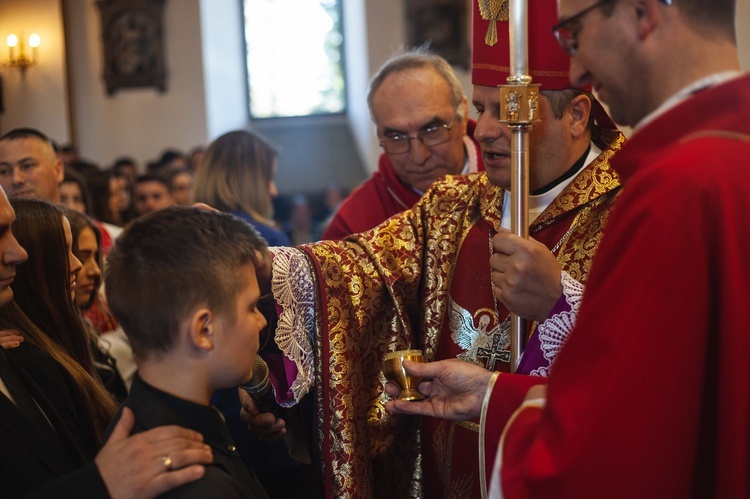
[[394, 371]]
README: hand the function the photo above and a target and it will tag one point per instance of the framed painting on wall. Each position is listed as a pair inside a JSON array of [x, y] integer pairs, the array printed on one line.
[[132, 41], [443, 25]]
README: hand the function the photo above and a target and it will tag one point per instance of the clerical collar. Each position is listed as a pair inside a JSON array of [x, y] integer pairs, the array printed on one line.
[[565, 176], [685, 93], [539, 202]]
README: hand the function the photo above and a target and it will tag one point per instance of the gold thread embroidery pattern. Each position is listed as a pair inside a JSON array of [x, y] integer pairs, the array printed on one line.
[[576, 253], [591, 196], [597, 179], [387, 289], [493, 11], [401, 272]]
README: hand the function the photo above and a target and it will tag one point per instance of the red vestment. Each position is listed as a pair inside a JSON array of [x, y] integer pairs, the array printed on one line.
[[570, 227], [650, 395], [392, 288], [381, 196]]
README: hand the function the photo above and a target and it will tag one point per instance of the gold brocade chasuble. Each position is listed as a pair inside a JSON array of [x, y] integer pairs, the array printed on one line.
[[571, 227], [390, 288]]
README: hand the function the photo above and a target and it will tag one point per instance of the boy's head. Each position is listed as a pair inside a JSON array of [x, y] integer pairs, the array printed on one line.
[[183, 280], [152, 193]]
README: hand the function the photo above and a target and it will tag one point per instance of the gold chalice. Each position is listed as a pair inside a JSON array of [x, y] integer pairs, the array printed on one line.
[[394, 371]]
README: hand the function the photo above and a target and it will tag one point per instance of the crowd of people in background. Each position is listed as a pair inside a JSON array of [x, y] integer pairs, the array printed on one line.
[[68, 214], [118, 193]]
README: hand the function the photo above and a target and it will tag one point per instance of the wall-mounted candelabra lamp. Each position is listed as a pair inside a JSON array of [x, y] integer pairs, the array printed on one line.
[[19, 57]]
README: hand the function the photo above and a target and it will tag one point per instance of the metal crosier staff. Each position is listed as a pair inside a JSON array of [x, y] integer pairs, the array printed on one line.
[[519, 109]]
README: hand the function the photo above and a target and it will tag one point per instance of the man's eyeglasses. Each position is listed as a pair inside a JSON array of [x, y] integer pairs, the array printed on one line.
[[566, 31], [431, 136]]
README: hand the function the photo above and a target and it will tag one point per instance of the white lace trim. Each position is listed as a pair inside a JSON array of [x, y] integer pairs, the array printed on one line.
[[555, 329], [293, 288]]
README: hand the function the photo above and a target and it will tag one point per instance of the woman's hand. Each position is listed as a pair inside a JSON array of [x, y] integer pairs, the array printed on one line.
[[10, 339]]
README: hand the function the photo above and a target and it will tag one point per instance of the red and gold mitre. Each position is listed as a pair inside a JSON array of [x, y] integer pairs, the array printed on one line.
[[490, 48]]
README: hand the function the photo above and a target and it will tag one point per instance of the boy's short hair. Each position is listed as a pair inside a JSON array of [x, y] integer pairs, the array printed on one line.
[[168, 263], [154, 177]]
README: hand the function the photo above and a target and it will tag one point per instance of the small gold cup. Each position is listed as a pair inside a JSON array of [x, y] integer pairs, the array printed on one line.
[[393, 369]]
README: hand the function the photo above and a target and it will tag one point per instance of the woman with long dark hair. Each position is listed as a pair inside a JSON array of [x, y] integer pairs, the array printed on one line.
[[88, 247], [87, 243], [44, 310]]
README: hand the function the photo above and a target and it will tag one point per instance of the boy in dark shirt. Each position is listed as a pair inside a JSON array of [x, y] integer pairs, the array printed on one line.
[[182, 284]]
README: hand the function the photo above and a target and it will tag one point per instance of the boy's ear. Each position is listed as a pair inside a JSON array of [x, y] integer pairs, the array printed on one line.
[[202, 329]]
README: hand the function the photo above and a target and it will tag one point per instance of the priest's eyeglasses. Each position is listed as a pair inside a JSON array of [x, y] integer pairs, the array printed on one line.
[[430, 136], [566, 31]]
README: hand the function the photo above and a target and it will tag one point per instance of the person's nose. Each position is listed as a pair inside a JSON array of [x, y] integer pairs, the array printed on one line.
[[489, 128], [75, 264], [14, 253], [262, 323], [579, 76], [94, 270], [418, 152], [19, 177]]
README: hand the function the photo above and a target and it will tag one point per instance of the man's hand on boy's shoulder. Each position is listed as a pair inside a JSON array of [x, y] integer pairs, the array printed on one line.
[[266, 425], [150, 463]]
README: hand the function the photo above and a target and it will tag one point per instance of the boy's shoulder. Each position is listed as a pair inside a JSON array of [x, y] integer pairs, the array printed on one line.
[[227, 476]]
